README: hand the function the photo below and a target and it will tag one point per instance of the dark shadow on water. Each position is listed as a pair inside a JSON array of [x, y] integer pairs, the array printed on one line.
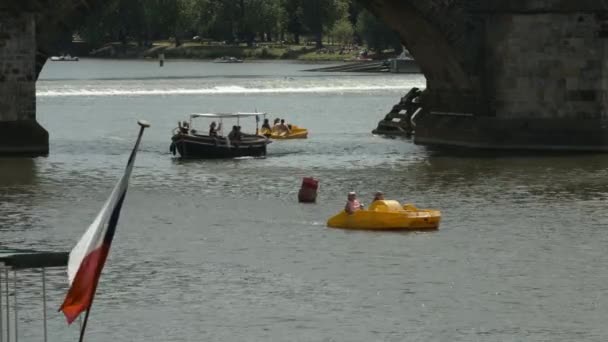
[[286, 153], [388, 231], [463, 152], [188, 161], [179, 160], [17, 171], [394, 137]]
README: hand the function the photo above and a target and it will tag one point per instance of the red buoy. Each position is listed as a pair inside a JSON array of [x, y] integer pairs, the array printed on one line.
[[308, 190]]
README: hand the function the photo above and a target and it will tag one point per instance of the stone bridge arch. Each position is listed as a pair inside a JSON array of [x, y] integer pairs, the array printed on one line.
[[501, 74], [506, 74], [438, 34]]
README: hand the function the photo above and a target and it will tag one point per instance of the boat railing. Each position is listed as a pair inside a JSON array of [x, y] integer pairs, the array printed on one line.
[[16, 261]]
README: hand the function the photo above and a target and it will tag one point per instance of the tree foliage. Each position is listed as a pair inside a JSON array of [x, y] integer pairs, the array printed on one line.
[[248, 21], [377, 35], [343, 32]]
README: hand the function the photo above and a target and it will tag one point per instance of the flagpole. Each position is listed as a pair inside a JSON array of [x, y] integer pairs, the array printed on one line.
[[84, 325], [143, 125]]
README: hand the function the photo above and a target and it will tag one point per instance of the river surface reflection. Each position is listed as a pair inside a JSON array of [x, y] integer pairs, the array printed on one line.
[[222, 251]]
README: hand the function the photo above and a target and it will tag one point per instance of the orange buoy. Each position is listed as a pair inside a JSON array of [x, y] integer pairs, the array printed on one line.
[[308, 190]]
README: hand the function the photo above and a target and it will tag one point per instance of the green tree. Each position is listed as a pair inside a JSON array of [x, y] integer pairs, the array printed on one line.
[[258, 17], [146, 20], [343, 31], [294, 18], [222, 20], [99, 25], [321, 15], [377, 35]]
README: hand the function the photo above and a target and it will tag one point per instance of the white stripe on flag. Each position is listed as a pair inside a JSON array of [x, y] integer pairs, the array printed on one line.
[[93, 237]]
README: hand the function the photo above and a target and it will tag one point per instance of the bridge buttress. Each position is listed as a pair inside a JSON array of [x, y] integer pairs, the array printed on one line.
[[20, 133], [508, 75]]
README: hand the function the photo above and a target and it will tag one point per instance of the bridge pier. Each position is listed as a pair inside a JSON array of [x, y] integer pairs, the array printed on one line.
[[20, 133], [508, 74]]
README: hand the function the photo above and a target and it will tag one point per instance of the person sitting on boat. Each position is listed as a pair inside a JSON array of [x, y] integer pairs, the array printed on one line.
[[183, 127], [352, 204], [235, 134], [378, 196], [275, 125], [283, 127], [266, 125], [214, 128]]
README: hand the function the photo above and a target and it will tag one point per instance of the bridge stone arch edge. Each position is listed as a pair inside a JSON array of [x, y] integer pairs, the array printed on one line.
[[536, 72]]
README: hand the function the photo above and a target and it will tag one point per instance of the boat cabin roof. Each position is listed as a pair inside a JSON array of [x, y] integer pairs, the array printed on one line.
[[224, 115]]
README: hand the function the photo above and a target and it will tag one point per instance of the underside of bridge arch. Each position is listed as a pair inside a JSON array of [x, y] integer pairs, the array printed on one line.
[[507, 74]]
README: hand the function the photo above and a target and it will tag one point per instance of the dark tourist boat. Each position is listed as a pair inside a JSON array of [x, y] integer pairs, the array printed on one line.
[[191, 143]]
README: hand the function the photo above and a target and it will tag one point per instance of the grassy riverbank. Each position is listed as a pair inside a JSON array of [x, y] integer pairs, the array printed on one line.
[[196, 50]]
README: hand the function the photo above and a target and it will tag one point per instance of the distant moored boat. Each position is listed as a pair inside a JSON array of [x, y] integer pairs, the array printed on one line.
[[64, 58], [227, 59]]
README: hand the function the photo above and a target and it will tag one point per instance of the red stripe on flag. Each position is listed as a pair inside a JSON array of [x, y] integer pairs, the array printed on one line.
[[80, 295]]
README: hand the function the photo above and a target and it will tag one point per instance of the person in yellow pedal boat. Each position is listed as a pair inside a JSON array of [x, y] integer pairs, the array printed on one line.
[[352, 204], [378, 196], [266, 125], [283, 127], [275, 124]]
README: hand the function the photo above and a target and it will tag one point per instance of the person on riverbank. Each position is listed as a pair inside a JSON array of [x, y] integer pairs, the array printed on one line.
[[352, 204]]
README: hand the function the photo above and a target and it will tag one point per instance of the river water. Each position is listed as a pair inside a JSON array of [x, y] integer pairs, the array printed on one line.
[[222, 251]]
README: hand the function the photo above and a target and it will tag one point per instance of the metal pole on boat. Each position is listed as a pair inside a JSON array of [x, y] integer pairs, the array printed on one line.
[[43, 304], [8, 308], [1, 316], [15, 305]]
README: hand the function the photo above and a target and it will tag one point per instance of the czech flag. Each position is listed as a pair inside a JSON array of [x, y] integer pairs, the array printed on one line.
[[87, 259]]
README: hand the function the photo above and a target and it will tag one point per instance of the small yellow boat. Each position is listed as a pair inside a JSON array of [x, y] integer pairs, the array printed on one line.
[[296, 133], [387, 215]]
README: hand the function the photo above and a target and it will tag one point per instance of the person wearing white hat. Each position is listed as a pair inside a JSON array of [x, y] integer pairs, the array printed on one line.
[[352, 204]]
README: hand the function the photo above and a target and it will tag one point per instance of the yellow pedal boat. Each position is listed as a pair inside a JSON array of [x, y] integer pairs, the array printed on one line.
[[387, 215], [296, 133]]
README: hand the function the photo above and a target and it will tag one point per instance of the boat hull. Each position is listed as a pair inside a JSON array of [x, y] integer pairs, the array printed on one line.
[[296, 133], [189, 146], [407, 217], [299, 134]]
